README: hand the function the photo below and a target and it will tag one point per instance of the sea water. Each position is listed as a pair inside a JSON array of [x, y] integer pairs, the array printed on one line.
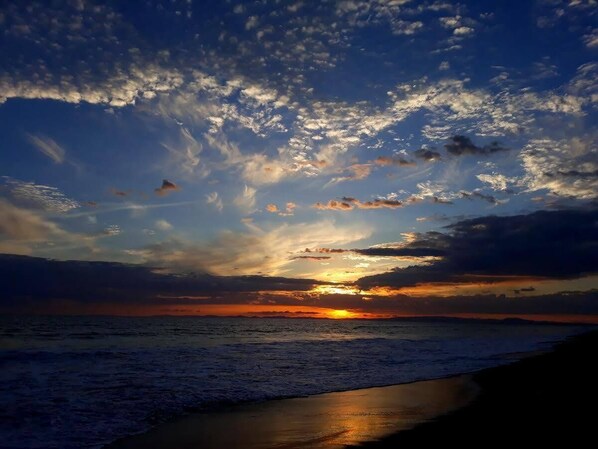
[[82, 382]]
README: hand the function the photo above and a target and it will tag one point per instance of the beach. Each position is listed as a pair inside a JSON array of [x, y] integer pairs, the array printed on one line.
[[330, 420], [544, 399], [540, 398]]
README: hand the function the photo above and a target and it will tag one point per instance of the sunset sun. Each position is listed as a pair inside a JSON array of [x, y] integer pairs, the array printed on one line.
[[341, 314]]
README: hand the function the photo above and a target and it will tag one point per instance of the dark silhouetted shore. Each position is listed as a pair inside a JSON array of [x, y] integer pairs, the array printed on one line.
[[545, 399]]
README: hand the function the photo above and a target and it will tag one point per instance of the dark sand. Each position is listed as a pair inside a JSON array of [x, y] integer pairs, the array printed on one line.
[[546, 398]]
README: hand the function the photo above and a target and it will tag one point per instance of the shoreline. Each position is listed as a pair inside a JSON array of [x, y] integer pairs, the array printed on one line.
[[186, 431], [326, 420], [541, 399], [190, 430]]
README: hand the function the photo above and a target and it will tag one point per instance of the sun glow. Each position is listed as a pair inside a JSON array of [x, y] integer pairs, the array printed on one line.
[[337, 289], [341, 314]]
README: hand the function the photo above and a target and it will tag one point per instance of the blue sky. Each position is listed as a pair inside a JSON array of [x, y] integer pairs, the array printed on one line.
[[253, 138]]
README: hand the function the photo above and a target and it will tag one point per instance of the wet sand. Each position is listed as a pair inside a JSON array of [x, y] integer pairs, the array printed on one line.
[[331, 420]]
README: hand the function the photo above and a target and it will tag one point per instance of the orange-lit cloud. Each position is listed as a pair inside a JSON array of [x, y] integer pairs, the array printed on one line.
[[287, 212], [349, 203], [386, 161], [166, 188]]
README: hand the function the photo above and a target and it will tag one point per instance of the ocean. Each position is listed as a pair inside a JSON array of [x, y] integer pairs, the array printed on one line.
[[82, 382]]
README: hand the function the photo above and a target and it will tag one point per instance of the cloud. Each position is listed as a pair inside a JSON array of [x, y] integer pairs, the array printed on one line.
[[256, 169], [434, 218], [110, 282], [135, 208], [554, 244], [256, 251], [405, 27], [23, 224], [214, 198], [427, 155], [246, 199], [312, 258], [48, 147], [463, 31], [112, 230], [461, 145], [348, 203], [326, 250], [25, 231], [452, 105], [359, 173], [386, 161], [166, 188], [163, 225], [572, 303], [117, 192], [86, 41], [460, 26], [289, 210], [407, 251], [38, 196], [475, 194], [496, 181], [591, 39], [523, 290], [434, 191], [251, 22], [185, 154], [272, 208], [122, 88], [334, 205], [567, 168]]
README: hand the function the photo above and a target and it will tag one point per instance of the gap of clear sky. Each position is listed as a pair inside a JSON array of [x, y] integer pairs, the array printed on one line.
[[331, 158]]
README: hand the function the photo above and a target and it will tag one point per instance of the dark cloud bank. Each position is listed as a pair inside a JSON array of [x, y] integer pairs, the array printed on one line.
[[24, 278], [547, 244]]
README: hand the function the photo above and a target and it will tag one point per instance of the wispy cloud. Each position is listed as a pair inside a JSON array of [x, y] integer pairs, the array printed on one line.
[[185, 154], [106, 208], [25, 231], [246, 199], [48, 147], [261, 251], [214, 198], [357, 172]]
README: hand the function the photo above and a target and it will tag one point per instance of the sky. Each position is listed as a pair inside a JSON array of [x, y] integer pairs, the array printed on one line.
[[332, 158]]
